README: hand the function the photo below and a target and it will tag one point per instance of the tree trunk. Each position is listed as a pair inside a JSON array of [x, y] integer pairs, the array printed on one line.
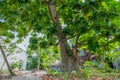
[[6, 61], [68, 64]]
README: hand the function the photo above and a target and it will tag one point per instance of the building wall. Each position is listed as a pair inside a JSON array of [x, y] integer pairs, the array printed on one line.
[[19, 54]]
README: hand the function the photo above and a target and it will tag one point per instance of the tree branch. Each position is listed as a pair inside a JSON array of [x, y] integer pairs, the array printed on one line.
[[6, 61]]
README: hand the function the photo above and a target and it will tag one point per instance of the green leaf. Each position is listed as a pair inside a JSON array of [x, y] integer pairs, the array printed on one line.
[[93, 45], [43, 44], [33, 40], [9, 35]]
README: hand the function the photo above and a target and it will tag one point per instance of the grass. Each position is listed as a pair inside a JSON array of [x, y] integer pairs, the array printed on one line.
[[104, 74], [91, 73]]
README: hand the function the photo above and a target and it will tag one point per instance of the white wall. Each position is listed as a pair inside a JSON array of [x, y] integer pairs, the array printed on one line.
[[14, 57]]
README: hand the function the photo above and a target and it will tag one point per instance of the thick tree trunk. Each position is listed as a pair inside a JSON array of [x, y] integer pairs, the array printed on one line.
[[64, 56], [68, 64], [6, 61]]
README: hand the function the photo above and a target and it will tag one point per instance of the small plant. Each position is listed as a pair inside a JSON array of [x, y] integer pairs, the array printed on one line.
[[87, 72], [88, 64], [17, 64], [87, 67], [2, 71], [107, 68]]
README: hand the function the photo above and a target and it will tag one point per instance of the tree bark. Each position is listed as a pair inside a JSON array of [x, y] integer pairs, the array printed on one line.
[[75, 52], [6, 61], [67, 62]]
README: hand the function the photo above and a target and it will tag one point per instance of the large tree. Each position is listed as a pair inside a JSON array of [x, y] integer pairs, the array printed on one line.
[[94, 23]]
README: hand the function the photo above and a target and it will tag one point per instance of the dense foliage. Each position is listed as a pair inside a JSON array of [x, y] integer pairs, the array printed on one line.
[[94, 24]]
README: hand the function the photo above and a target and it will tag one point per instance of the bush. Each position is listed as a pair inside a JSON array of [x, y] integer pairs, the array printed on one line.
[[107, 68], [87, 68]]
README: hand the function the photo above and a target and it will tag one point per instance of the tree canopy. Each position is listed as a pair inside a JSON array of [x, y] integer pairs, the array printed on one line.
[[91, 23]]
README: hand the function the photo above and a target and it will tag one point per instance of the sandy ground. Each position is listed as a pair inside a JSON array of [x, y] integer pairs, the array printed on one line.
[[24, 75]]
